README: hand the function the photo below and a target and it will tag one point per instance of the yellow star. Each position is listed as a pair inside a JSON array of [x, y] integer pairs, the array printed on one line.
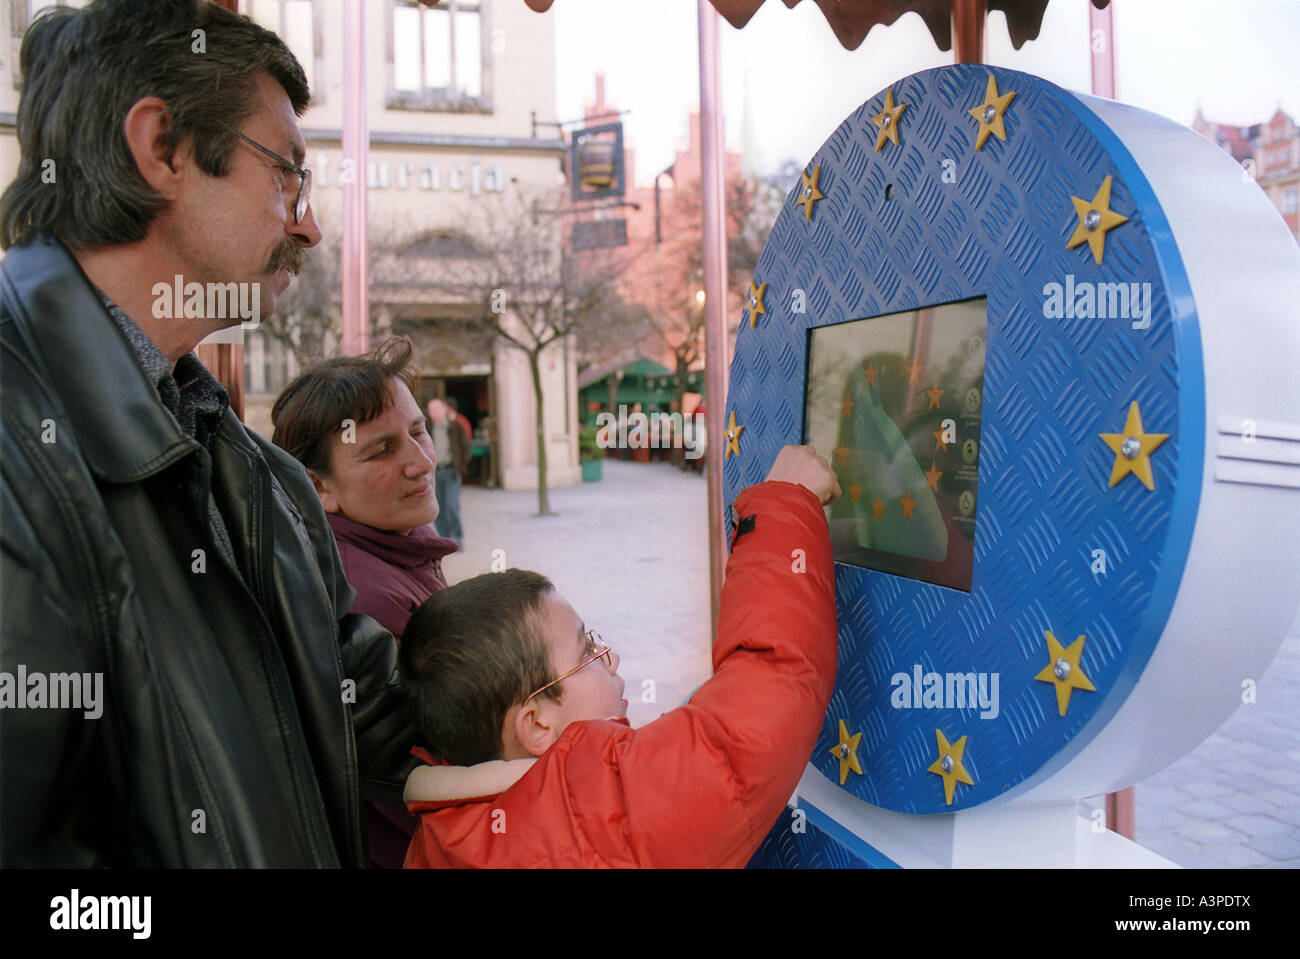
[[939, 444], [989, 113], [953, 772], [907, 503], [846, 751], [809, 194], [1133, 449], [732, 434], [932, 478], [846, 407], [1064, 671], [870, 373], [887, 121], [878, 509], [855, 491], [934, 393], [755, 302], [914, 374], [1095, 219]]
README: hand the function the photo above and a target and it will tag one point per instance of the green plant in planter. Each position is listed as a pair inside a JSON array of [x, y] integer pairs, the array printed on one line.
[[590, 455], [588, 445]]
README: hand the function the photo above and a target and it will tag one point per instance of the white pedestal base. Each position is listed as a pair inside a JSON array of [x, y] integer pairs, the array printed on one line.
[[1014, 835]]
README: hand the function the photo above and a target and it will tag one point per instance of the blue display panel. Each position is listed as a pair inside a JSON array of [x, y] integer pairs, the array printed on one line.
[[972, 691]]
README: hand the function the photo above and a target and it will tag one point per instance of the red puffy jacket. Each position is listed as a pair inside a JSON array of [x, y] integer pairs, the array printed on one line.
[[703, 784]]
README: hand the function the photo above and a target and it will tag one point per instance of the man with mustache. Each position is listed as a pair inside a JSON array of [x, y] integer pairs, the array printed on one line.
[[148, 536]]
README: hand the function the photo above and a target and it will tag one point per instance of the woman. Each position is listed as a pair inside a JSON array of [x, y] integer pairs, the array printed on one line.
[[353, 422]]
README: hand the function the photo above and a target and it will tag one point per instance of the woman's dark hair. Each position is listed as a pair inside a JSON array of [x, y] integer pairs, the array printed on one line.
[[313, 407], [470, 652], [82, 70]]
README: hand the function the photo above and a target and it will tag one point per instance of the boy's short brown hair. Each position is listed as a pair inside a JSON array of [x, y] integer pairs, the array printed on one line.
[[470, 652], [313, 407]]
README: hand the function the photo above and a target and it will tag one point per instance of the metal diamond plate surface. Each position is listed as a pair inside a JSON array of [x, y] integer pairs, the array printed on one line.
[[935, 221], [809, 849]]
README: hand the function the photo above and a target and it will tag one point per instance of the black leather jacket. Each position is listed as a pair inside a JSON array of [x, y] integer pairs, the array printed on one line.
[[229, 735]]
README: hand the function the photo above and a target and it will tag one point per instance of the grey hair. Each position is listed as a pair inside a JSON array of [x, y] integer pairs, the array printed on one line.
[[82, 70]]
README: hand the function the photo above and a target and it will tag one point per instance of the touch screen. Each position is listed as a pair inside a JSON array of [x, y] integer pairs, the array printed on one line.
[[895, 403]]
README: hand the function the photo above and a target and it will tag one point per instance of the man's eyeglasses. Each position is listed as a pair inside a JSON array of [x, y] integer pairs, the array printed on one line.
[[602, 652], [304, 176]]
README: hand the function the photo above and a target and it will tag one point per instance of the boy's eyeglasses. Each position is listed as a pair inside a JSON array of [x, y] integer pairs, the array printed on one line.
[[303, 198], [603, 652]]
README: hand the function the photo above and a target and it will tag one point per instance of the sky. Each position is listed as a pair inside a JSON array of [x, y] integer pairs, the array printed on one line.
[[1239, 60]]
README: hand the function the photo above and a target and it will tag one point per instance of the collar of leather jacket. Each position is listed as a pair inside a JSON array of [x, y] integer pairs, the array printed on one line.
[[123, 428]]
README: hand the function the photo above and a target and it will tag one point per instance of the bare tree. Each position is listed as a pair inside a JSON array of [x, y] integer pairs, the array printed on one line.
[[678, 313], [308, 319], [517, 280]]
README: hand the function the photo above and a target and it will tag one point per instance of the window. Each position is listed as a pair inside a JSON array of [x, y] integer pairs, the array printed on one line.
[[21, 14], [36, 6], [439, 56], [1291, 199], [295, 23]]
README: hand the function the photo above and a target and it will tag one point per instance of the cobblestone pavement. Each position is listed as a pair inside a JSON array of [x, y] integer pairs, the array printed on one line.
[[630, 554], [1235, 799]]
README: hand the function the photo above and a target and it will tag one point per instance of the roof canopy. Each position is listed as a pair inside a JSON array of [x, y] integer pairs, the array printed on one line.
[[851, 20]]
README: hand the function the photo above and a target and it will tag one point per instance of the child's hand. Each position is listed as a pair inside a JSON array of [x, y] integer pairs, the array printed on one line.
[[802, 465]]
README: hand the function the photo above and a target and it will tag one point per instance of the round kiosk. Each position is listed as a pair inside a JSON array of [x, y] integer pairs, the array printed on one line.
[[1050, 344]]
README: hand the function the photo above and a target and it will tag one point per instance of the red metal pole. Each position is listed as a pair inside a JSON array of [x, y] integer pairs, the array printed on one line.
[[968, 30], [715, 288], [1121, 807], [1121, 813], [356, 152], [225, 361], [1102, 39]]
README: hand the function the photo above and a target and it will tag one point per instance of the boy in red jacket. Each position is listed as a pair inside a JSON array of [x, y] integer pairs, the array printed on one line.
[[539, 765]]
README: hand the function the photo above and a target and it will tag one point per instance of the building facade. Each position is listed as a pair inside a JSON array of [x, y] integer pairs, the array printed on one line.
[[664, 223], [453, 91], [1270, 152], [1277, 167]]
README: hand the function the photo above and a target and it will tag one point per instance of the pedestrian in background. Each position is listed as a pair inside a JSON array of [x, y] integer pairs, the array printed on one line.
[[460, 418], [452, 448]]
